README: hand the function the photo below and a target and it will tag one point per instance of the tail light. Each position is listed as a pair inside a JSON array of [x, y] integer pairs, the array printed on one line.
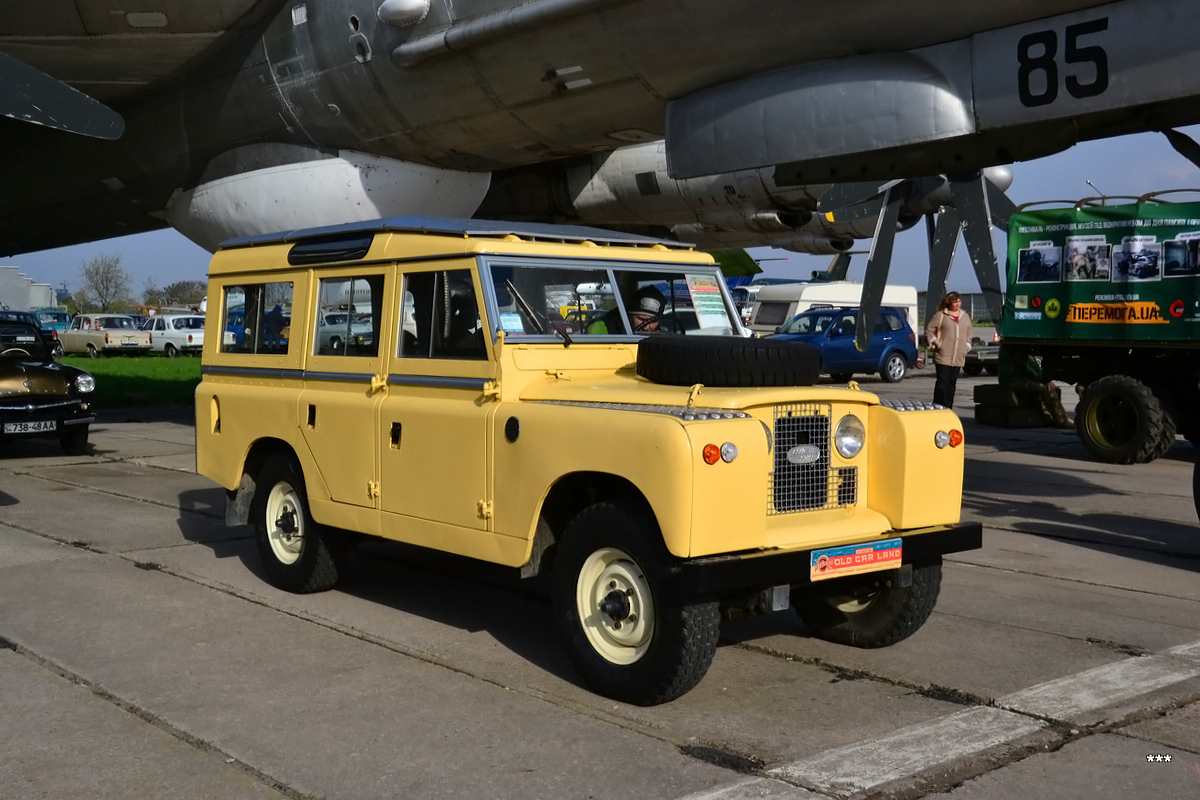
[[106, 338], [189, 338]]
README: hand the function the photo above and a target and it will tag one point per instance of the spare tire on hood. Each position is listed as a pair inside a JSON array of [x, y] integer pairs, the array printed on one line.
[[676, 360]]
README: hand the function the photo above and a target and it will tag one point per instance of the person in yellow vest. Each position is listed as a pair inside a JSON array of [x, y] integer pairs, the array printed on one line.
[[645, 310]]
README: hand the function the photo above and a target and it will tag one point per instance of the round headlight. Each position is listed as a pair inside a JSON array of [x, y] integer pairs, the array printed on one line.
[[848, 436], [85, 383]]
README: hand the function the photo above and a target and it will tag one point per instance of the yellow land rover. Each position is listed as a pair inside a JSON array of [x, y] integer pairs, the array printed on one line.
[[574, 403]]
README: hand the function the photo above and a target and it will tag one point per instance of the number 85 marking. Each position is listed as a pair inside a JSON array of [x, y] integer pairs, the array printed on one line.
[[1044, 62]]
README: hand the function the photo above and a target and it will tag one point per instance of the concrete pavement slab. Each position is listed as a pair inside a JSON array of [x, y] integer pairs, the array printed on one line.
[[1096, 766], [61, 740], [493, 631], [1177, 730], [175, 508], [317, 710]]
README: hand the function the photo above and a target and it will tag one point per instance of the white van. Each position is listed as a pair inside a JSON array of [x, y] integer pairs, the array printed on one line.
[[777, 303]]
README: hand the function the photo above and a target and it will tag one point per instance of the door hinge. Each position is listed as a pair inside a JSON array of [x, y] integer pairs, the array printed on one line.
[[373, 490], [491, 390], [485, 509]]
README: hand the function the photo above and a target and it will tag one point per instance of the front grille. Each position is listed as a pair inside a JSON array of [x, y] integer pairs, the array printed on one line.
[[813, 485], [35, 406]]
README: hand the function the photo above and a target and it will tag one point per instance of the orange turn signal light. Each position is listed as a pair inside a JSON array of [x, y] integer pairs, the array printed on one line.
[[712, 454], [956, 438]]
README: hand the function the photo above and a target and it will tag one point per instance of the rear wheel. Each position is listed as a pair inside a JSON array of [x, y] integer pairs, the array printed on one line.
[[894, 368], [92, 351], [1120, 421], [297, 553], [622, 615], [74, 440], [335, 344], [869, 610], [170, 351], [973, 369]]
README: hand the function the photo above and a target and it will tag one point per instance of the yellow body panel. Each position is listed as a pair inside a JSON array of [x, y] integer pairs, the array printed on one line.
[[463, 455]]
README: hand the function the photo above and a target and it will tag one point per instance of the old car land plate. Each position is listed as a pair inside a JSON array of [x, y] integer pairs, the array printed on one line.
[[129, 341], [852, 559], [30, 427]]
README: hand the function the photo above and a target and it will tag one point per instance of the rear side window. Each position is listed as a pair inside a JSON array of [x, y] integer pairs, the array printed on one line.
[[257, 318], [444, 320], [348, 316], [771, 313]]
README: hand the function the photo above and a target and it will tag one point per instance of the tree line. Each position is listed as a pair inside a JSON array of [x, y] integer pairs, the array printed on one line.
[[104, 285]]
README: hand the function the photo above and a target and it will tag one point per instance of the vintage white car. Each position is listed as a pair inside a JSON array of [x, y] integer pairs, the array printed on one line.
[[104, 334], [172, 334]]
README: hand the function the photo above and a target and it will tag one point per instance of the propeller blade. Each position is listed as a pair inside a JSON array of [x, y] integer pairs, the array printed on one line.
[[942, 245], [1000, 205], [30, 95], [878, 264], [971, 199], [1185, 145]]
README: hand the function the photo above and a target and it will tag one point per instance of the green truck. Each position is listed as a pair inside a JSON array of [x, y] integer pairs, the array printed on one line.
[[1109, 298]]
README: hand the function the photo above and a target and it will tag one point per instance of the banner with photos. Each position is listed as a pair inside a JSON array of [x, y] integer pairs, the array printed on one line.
[[1106, 273]]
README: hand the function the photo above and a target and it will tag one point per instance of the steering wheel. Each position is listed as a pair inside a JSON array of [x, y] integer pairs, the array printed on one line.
[[20, 350]]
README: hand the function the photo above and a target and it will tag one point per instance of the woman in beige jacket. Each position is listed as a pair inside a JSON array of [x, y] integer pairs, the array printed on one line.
[[948, 334]]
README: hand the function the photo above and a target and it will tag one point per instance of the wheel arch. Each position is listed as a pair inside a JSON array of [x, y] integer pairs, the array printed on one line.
[[568, 496], [239, 499]]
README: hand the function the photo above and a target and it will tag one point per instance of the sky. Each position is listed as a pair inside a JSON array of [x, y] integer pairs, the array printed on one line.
[[1128, 165]]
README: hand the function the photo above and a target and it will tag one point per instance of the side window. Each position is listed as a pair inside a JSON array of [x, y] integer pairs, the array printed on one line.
[[257, 318], [845, 326], [440, 318], [348, 316]]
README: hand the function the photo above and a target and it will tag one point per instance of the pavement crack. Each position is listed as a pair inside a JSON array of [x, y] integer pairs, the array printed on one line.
[[932, 691]]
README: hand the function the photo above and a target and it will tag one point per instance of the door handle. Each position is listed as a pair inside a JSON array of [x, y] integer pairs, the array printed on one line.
[[395, 436]]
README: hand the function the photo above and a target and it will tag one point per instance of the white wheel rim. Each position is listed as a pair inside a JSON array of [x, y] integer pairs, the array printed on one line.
[[621, 640], [283, 506], [895, 367], [849, 604]]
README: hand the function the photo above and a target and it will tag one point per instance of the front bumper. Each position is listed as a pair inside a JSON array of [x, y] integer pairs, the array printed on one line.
[[758, 570], [66, 414]]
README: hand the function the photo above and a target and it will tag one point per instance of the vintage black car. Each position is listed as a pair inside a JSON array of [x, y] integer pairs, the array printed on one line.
[[39, 396]]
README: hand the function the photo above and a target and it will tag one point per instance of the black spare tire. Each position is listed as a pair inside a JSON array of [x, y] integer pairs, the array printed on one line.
[[726, 361]]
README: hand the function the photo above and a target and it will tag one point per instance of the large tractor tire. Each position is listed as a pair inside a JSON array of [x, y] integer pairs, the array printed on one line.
[[726, 361], [1119, 420]]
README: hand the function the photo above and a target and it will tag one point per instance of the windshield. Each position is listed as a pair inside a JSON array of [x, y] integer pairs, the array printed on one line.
[[20, 341], [586, 300]]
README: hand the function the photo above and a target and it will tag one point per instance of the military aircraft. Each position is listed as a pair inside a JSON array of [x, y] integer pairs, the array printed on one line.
[[244, 116]]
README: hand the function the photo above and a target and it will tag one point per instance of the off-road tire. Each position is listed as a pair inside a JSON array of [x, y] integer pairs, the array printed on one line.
[[676, 360], [678, 648], [895, 367], [74, 440], [973, 369], [314, 566], [1196, 486], [1119, 420], [884, 615]]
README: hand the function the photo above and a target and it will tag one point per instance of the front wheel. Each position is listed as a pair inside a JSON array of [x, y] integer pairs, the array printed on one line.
[[621, 613], [894, 368], [295, 550], [74, 440], [869, 610]]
